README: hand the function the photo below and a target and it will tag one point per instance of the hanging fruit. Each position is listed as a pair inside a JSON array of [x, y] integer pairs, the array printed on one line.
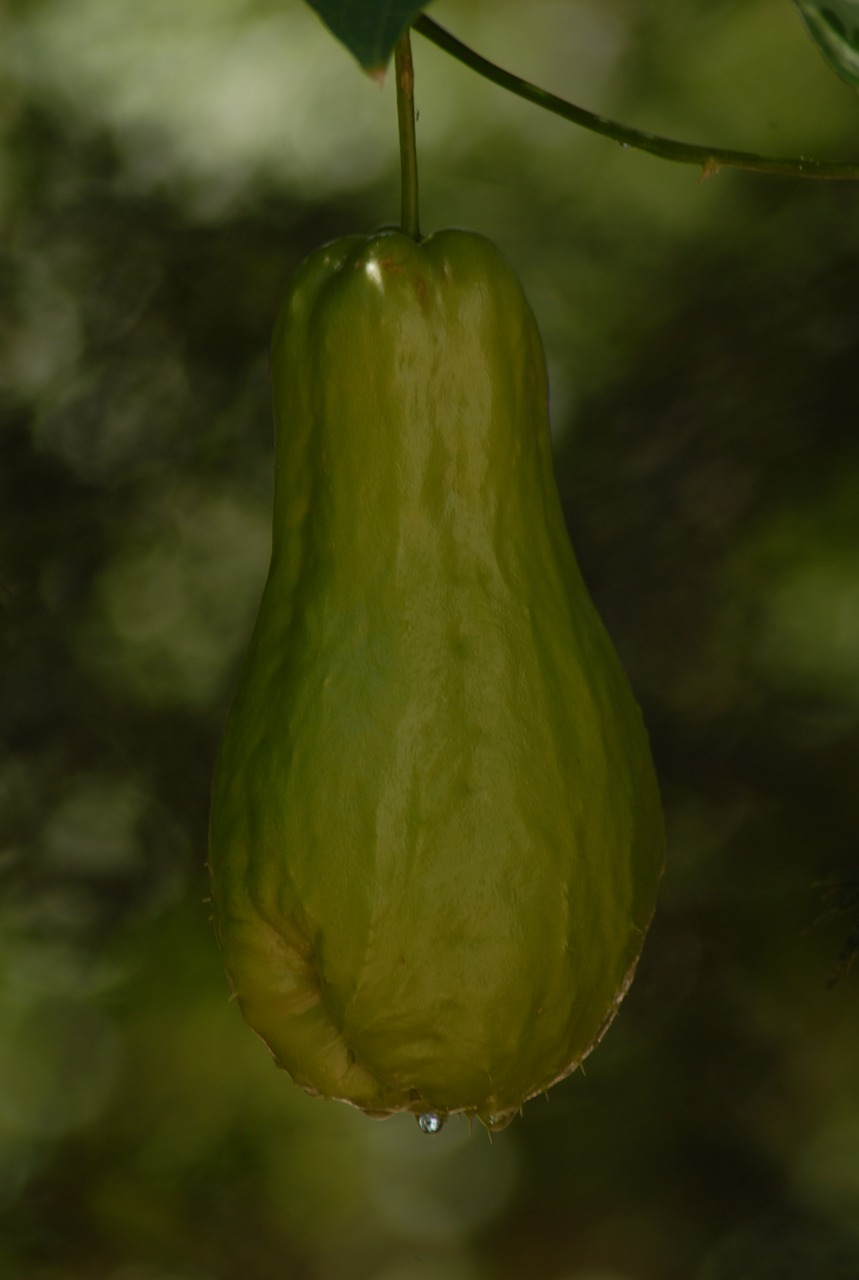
[[436, 835]]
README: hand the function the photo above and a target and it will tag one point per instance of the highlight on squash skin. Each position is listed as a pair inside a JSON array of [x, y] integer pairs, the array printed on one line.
[[436, 836]]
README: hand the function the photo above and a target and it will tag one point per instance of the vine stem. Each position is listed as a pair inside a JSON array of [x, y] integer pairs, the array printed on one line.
[[405, 73], [711, 159]]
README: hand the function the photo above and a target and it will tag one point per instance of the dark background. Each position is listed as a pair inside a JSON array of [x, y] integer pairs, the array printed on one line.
[[163, 169]]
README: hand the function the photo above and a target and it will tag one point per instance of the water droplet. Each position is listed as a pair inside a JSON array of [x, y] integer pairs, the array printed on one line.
[[430, 1122]]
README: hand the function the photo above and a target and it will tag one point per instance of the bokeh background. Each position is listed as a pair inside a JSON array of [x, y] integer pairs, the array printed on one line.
[[163, 168]]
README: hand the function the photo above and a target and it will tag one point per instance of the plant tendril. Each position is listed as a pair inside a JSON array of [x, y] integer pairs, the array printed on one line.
[[710, 159]]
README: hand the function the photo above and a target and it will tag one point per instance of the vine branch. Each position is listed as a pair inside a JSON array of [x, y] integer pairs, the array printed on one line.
[[405, 73], [710, 159]]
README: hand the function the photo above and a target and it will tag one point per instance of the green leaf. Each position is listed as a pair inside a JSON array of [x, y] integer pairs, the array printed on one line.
[[368, 28], [834, 27]]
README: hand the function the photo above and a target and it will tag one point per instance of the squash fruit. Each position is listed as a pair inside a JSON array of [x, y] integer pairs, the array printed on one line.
[[436, 835]]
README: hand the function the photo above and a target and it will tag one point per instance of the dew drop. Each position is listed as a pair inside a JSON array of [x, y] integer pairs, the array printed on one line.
[[430, 1122]]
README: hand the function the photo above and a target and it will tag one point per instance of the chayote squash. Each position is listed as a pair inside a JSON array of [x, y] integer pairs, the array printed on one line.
[[436, 835]]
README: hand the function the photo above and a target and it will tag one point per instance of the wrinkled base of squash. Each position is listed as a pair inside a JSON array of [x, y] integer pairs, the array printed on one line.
[[289, 1012]]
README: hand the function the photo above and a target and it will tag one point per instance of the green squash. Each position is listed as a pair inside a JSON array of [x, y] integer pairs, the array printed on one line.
[[436, 836]]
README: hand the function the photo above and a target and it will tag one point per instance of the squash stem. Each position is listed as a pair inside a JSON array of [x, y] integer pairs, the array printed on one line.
[[405, 73]]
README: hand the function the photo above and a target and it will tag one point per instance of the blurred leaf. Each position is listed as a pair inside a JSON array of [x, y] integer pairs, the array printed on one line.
[[368, 28], [834, 27]]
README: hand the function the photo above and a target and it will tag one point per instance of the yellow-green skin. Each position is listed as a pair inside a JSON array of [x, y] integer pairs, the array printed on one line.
[[436, 835]]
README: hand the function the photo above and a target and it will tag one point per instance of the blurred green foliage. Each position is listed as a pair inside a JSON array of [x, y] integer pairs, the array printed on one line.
[[834, 27], [162, 170]]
